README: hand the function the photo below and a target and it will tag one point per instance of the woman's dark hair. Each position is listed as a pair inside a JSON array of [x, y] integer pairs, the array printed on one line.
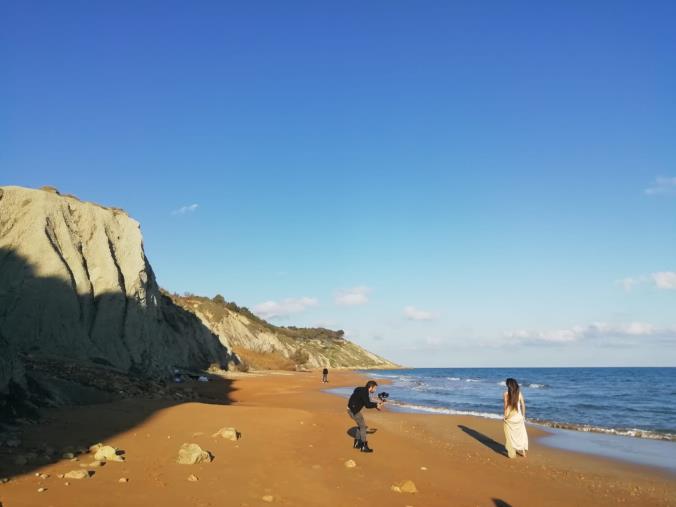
[[512, 393], [371, 383]]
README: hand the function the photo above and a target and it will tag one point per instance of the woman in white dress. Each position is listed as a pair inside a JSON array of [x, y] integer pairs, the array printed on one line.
[[516, 438]]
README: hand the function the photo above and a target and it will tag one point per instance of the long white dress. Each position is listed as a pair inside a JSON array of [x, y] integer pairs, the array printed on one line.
[[516, 438]]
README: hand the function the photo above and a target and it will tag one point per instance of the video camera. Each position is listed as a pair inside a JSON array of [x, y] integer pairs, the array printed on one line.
[[383, 396]]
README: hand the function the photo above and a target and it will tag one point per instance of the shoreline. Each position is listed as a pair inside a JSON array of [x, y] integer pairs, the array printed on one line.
[[294, 446], [653, 453]]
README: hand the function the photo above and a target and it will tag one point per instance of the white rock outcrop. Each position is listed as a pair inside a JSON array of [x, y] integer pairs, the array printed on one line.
[[75, 283]]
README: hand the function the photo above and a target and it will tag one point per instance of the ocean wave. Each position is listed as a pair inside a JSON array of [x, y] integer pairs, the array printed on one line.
[[452, 378], [537, 386], [472, 380], [624, 432], [442, 410]]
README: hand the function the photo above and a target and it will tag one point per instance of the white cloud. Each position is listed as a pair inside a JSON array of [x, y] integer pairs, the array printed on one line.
[[428, 343], [284, 308], [665, 279], [353, 297], [661, 280], [185, 209], [630, 282], [596, 330], [413, 313], [662, 186]]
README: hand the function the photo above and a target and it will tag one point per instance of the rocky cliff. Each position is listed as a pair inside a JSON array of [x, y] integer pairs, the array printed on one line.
[[262, 345], [75, 284], [77, 293]]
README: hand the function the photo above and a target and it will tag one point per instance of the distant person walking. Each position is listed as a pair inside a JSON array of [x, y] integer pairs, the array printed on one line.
[[361, 397], [325, 375], [516, 438]]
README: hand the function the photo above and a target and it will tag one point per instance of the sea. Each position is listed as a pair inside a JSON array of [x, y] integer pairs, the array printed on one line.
[[622, 413]]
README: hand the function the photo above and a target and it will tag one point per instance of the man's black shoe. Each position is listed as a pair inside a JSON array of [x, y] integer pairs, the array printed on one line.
[[357, 443], [365, 448]]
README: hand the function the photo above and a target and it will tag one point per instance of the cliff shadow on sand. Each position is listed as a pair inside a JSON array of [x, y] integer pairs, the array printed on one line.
[[49, 361]]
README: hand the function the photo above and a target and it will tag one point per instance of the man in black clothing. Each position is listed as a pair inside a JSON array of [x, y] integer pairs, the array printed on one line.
[[325, 375], [361, 397]]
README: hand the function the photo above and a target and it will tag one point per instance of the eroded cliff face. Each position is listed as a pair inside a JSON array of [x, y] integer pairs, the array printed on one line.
[[75, 283], [244, 332]]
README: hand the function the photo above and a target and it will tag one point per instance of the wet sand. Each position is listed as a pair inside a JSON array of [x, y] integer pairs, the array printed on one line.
[[294, 445]]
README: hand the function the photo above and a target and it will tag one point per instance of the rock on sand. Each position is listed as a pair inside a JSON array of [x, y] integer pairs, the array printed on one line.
[[191, 454]]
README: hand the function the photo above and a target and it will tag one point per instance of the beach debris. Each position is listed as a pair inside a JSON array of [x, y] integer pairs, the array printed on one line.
[[268, 498], [107, 453], [123, 479], [404, 487], [77, 474], [193, 478], [228, 434], [42, 490], [43, 476], [191, 454], [350, 463]]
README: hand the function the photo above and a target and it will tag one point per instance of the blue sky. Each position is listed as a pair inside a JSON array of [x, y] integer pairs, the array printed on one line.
[[453, 185]]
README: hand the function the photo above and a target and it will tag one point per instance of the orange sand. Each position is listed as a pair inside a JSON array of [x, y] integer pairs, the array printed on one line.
[[294, 446]]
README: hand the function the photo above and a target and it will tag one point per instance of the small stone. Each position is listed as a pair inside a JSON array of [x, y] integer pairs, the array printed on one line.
[[13, 442], [191, 454], [96, 464], [68, 455], [350, 463], [43, 476], [107, 453], [423, 468], [268, 498], [193, 478], [404, 487], [66, 483], [60, 476], [4, 480], [228, 434], [123, 479], [42, 490], [77, 474], [95, 447]]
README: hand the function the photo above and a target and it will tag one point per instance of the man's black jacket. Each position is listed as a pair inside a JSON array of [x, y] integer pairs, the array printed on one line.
[[360, 399]]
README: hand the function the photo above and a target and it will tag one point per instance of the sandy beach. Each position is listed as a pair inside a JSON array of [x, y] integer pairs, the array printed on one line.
[[295, 442]]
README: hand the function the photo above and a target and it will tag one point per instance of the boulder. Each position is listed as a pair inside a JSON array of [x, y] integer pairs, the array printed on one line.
[[192, 454]]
